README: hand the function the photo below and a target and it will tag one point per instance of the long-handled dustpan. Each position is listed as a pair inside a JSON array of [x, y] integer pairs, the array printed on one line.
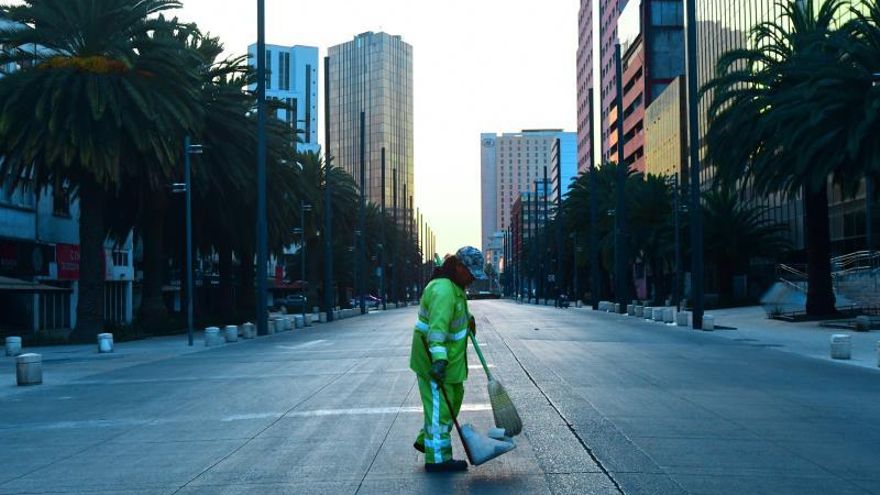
[[478, 448], [502, 407]]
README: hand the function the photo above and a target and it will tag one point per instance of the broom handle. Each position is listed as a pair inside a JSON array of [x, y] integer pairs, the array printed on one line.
[[480, 354], [467, 451]]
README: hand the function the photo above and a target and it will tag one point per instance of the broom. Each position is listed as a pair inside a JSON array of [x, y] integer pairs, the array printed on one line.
[[502, 407]]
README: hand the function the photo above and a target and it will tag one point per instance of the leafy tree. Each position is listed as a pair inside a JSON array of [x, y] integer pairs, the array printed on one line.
[[736, 232], [763, 125], [104, 94]]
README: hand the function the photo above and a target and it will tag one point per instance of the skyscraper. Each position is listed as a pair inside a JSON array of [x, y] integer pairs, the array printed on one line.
[[584, 83], [510, 164], [292, 78], [373, 74]]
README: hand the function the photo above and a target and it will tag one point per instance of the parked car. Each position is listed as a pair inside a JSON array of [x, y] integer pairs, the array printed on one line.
[[293, 302], [369, 300]]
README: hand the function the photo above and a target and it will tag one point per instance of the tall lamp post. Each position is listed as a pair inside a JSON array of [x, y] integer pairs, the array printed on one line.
[[869, 192], [262, 227], [303, 208], [694, 151], [185, 187]]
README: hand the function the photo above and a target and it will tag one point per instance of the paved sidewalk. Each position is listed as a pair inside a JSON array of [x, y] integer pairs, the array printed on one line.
[[750, 325]]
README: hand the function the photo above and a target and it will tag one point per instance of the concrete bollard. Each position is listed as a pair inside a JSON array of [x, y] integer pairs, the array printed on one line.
[[231, 333], [640, 311], [29, 369], [13, 346], [863, 323], [212, 337], [631, 309], [245, 330], [105, 343], [878, 353], [322, 317], [648, 313], [298, 321], [658, 314], [280, 325], [682, 318], [841, 346], [708, 322], [310, 318], [669, 315]]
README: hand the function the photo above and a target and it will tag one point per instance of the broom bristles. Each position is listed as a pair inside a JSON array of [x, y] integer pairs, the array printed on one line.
[[503, 409]]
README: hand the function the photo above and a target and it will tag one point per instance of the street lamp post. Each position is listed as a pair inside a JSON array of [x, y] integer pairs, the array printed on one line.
[[594, 218], [363, 213], [303, 208], [186, 188], [694, 151], [622, 272], [869, 192], [262, 227]]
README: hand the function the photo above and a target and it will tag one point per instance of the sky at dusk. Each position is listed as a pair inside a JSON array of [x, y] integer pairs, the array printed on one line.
[[479, 66]]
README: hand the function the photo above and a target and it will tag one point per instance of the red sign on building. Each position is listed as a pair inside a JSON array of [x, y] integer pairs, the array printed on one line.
[[67, 257]]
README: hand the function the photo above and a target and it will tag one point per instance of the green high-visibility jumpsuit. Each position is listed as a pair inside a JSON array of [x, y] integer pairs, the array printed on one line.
[[443, 326]]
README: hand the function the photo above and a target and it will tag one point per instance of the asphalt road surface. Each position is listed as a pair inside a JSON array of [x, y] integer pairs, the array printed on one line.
[[610, 405]]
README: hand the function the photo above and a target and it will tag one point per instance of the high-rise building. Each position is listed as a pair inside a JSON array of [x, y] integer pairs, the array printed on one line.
[[651, 35], [373, 74], [723, 26], [584, 83], [292, 78], [666, 133], [564, 166], [509, 164]]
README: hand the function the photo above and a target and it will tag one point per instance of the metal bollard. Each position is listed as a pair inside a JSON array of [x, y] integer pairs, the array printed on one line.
[[231, 333], [105, 343], [212, 337], [841, 346], [29, 369], [13, 346]]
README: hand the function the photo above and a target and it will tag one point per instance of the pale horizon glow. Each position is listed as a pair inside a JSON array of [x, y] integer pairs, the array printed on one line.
[[479, 66]]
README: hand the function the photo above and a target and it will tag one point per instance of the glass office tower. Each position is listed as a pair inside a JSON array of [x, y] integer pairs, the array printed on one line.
[[373, 74]]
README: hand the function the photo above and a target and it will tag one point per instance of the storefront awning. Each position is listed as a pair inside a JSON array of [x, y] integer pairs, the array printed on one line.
[[14, 284]]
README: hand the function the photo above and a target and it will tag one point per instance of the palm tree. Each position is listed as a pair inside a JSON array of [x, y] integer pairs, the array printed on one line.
[[105, 93], [735, 233], [757, 125], [651, 225]]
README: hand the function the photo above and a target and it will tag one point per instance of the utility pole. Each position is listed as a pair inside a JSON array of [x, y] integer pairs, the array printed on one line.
[[694, 151], [328, 200], [262, 227]]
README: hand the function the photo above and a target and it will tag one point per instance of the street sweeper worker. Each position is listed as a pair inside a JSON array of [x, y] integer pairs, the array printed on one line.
[[439, 357]]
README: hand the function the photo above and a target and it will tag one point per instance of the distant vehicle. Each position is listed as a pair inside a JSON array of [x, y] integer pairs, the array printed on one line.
[[292, 301], [369, 300]]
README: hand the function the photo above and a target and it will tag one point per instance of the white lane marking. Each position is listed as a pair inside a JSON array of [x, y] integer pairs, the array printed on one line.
[[130, 422], [300, 346]]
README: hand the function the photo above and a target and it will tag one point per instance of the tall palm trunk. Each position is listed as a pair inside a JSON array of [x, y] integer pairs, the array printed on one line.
[[90, 304], [153, 310], [247, 298], [227, 306], [820, 295]]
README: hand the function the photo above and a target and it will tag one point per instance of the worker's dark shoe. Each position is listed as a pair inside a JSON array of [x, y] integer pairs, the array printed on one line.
[[447, 466], [419, 446]]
